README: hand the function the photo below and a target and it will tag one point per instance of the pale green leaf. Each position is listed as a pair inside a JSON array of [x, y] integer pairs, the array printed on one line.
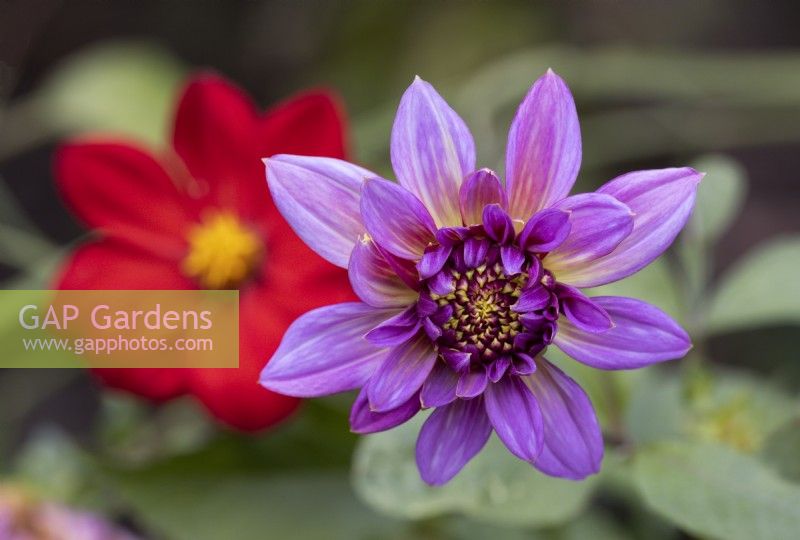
[[129, 88], [719, 196], [494, 487], [198, 506], [726, 407], [762, 289], [713, 491], [782, 450]]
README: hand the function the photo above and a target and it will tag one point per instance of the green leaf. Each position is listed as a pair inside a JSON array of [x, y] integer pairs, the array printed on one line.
[[782, 449], [711, 490], [719, 196], [725, 407], [128, 88], [208, 506], [760, 290], [23, 249], [494, 487]]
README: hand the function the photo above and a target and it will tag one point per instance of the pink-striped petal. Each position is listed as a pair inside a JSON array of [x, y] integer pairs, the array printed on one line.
[[396, 219], [324, 351], [642, 335], [598, 223], [481, 188], [544, 148], [662, 201], [319, 197], [545, 231], [432, 151], [374, 280]]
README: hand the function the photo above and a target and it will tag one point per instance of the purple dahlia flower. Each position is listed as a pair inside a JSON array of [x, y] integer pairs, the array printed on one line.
[[466, 280]]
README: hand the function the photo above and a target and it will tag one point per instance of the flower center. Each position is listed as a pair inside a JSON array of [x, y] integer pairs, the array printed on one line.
[[482, 318], [222, 251], [489, 305]]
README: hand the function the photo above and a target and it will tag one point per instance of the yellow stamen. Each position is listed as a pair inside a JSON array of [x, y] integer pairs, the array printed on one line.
[[222, 251]]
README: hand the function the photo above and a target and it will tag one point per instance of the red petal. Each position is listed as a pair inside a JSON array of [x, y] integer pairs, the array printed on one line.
[[295, 279], [234, 396], [125, 192], [215, 135], [310, 124], [110, 265]]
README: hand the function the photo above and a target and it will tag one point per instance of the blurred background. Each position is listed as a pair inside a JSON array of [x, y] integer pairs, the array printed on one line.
[[707, 447]]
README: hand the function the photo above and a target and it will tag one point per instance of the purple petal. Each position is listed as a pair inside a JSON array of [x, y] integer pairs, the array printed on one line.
[[513, 259], [440, 387], [426, 306], [457, 360], [498, 368], [442, 283], [374, 280], [324, 351], [433, 260], [497, 224], [532, 299], [472, 382], [319, 197], [523, 364], [573, 443], [598, 222], [432, 150], [450, 437], [395, 330], [406, 270], [442, 314], [516, 417], [451, 236], [582, 311], [363, 420], [642, 335], [395, 219], [662, 201], [544, 148], [545, 231], [481, 188], [431, 329], [475, 250], [401, 374]]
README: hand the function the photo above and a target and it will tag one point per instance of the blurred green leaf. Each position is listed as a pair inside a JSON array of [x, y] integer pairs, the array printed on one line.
[[131, 431], [719, 196], [782, 450], [11, 211], [23, 249], [736, 83], [202, 505], [53, 466], [724, 407], [127, 88], [711, 490], [494, 487], [719, 200], [759, 290]]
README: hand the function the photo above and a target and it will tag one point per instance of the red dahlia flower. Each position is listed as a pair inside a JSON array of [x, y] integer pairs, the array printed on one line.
[[200, 216]]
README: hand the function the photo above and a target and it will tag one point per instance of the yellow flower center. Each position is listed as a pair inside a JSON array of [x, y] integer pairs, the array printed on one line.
[[222, 252]]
